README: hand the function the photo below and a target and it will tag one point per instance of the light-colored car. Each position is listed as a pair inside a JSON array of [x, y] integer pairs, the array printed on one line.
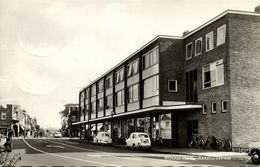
[[254, 152], [138, 140], [102, 138], [57, 135]]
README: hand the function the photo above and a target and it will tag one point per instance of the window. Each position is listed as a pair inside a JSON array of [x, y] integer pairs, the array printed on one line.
[[109, 102], [93, 90], [191, 86], [150, 58], [87, 94], [172, 85], [120, 75], [151, 86], [213, 107], [3, 115], [204, 109], [209, 41], [213, 74], [119, 98], [224, 105], [189, 51], [100, 86], [100, 104], [132, 68], [87, 106], [82, 99], [93, 111], [221, 35], [198, 46], [133, 93], [109, 82]]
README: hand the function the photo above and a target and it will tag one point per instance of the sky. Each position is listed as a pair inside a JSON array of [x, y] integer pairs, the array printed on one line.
[[51, 49]]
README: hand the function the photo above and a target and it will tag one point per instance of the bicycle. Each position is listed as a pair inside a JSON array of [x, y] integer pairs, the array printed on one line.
[[197, 142]]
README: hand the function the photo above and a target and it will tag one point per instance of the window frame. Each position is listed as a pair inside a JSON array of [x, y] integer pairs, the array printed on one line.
[[176, 85], [222, 40], [210, 34], [156, 86], [131, 89], [110, 96], [119, 75], [122, 98], [222, 106], [131, 66], [151, 61], [212, 107], [216, 64], [100, 86], [188, 58], [109, 81], [3, 115], [199, 39]]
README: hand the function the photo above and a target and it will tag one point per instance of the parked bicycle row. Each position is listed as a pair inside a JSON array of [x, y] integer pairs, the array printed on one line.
[[210, 143]]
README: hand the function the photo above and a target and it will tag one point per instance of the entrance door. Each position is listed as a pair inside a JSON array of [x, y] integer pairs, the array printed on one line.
[[192, 129]]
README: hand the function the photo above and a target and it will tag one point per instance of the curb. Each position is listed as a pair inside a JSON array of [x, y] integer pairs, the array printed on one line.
[[228, 157]]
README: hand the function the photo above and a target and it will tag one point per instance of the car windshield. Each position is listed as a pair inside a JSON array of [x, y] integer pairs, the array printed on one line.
[[143, 136]]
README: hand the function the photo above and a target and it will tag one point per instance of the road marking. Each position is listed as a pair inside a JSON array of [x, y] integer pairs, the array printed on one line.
[[56, 146], [66, 157], [85, 149]]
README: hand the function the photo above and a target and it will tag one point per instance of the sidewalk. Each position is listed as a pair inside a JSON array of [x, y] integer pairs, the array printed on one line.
[[213, 154], [202, 152]]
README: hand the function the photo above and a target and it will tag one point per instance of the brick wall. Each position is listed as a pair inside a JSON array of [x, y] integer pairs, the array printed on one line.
[[171, 68], [218, 124], [245, 78]]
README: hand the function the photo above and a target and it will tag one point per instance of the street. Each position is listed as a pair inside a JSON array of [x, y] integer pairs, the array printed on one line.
[[64, 152]]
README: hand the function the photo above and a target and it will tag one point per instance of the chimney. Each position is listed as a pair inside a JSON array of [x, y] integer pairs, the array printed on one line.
[[257, 9], [185, 32]]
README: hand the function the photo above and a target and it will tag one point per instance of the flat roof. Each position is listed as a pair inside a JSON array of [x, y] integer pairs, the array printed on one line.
[[175, 37]]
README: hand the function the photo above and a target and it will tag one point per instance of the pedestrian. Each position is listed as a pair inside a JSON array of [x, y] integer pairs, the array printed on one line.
[[8, 143]]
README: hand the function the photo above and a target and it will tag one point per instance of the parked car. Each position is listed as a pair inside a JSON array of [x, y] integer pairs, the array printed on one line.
[[138, 140], [254, 152], [57, 135], [102, 138]]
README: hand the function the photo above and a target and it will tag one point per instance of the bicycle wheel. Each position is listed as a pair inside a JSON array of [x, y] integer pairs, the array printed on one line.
[[201, 143], [219, 145], [228, 145]]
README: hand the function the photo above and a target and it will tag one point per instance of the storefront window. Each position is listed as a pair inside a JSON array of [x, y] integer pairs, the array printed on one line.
[[129, 127], [117, 129], [165, 126], [140, 124]]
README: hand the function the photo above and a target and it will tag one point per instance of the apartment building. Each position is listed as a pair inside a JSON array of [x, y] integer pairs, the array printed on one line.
[[205, 82]]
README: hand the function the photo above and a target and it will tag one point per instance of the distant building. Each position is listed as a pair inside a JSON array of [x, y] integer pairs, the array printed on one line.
[[71, 116], [13, 117], [206, 82]]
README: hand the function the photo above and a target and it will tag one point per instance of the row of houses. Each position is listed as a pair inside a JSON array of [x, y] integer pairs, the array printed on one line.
[[13, 117], [204, 82]]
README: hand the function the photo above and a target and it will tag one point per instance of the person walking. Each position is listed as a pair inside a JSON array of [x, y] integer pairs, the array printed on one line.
[[8, 144]]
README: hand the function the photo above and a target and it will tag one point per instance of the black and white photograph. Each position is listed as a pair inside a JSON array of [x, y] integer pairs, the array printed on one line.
[[129, 83]]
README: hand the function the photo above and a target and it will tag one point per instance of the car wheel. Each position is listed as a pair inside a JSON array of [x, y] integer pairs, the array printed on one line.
[[255, 156], [133, 147]]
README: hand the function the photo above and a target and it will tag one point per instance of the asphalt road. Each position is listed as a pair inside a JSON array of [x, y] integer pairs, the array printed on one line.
[[62, 152]]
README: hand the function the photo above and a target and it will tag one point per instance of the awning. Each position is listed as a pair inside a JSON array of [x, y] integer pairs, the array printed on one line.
[[161, 108], [170, 108]]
